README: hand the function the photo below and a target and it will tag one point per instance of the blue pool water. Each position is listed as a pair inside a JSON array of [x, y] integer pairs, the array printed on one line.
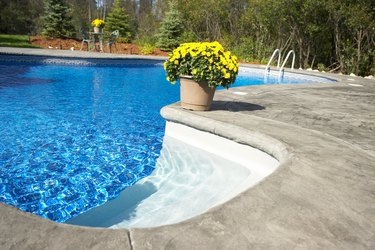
[[74, 137]]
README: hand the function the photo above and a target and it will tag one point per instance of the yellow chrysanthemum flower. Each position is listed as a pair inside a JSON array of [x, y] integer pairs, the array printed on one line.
[[98, 23], [204, 61]]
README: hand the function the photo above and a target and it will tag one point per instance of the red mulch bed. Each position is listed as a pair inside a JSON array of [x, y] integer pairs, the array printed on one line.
[[66, 44]]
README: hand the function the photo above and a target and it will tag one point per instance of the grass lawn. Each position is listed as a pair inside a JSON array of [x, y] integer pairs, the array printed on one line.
[[19, 41]]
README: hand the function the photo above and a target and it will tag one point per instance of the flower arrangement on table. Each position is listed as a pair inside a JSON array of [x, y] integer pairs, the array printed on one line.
[[97, 23], [203, 61]]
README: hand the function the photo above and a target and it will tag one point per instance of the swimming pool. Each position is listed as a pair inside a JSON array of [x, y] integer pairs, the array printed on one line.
[[75, 133]]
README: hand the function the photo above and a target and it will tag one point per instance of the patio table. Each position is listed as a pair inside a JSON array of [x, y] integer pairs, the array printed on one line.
[[97, 37]]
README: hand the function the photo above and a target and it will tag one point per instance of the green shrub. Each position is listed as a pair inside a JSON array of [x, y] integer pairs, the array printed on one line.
[[187, 37], [58, 20], [143, 40], [171, 29], [123, 40], [321, 67], [118, 20], [147, 49]]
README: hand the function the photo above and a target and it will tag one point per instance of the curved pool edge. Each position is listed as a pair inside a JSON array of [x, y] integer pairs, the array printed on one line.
[[269, 145], [26, 229], [318, 197], [321, 196]]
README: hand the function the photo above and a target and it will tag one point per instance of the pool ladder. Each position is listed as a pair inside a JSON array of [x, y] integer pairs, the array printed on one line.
[[281, 70]]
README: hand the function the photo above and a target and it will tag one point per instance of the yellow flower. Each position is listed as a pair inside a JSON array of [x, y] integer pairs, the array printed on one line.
[[169, 80], [217, 64], [222, 60], [183, 52], [98, 23], [193, 54]]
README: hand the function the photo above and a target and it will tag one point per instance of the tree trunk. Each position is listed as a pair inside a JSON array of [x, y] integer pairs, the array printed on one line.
[[337, 39]]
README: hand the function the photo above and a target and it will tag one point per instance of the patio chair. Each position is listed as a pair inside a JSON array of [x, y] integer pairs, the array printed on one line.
[[112, 40], [85, 39]]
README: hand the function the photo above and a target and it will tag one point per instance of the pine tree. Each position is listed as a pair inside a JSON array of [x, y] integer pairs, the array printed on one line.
[[117, 19], [57, 20], [171, 29]]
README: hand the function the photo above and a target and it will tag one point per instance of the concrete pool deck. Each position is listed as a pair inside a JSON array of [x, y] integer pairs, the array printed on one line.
[[321, 196]]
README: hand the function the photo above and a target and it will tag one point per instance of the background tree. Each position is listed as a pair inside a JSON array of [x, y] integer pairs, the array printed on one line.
[[336, 35], [20, 16], [83, 12], [117, 19], [171, 29], [131, 10], [57, 20], [147, 22]]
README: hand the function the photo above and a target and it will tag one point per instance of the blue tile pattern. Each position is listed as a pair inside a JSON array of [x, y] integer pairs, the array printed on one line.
[[72, 138]]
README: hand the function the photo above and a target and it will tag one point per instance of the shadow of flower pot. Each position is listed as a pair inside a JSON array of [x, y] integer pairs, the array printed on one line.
[[235, 106]]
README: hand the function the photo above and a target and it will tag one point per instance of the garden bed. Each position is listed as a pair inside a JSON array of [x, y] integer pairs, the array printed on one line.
[[66, 44]]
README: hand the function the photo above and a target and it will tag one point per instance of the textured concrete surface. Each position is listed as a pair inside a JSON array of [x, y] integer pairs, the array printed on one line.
[[322, 196]]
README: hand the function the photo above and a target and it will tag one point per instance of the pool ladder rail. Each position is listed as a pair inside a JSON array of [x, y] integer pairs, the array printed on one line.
[[281, 69]]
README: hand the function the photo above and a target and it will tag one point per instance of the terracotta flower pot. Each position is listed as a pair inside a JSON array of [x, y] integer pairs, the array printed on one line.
[[97, 29], [194, 95]]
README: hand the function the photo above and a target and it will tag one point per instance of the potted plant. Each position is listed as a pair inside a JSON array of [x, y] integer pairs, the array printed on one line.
[[201, 67], [98, 25]]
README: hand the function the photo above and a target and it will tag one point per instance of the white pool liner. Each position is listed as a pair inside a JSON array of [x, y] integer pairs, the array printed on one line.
[[195, 171]]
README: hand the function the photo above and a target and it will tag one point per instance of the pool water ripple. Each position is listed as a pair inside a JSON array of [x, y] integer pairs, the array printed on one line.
[[72, 137]]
